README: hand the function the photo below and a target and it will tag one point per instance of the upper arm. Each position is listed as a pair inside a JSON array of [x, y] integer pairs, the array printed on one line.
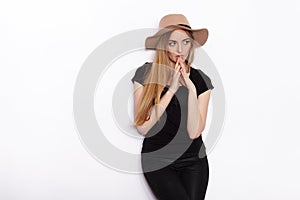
[[204, 87], [138, 89], [203, 102]]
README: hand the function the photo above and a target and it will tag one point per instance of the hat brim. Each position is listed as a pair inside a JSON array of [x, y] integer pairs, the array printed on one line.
[[200, 36]]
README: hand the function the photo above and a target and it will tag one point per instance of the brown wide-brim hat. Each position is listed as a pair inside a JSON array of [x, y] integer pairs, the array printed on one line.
[[171, 22]]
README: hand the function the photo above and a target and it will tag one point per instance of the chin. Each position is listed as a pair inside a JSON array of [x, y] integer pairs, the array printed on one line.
[[172, 59]]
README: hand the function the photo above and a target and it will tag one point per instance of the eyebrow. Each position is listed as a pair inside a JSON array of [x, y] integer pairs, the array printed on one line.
[[183, 39]]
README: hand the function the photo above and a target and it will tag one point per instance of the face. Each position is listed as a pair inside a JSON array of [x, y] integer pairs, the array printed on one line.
[[179, 44]]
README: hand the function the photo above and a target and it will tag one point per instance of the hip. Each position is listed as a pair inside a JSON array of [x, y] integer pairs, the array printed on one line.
[[187, 163]]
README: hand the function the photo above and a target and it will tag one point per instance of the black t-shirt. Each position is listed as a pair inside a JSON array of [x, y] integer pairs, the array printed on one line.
[[171, 130]]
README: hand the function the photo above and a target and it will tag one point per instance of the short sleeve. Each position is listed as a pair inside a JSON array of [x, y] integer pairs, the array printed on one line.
[[140, 74], [202, 82]]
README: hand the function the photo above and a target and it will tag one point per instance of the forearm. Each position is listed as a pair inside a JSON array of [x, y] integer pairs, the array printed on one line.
[[156, 112], [194, 119]]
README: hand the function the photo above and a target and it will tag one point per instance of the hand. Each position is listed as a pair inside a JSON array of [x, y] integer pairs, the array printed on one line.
[[184, 78], [175, 78]]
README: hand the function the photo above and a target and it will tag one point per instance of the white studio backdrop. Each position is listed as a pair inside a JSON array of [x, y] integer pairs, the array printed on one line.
[[254, 45]]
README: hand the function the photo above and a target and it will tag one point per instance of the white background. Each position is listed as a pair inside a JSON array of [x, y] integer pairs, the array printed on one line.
[[254, 45]]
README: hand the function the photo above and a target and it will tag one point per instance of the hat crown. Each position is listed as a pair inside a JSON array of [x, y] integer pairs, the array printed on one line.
[[173, 19]]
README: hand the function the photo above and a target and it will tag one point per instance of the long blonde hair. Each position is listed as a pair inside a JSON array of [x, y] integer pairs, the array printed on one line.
[[158, 77]]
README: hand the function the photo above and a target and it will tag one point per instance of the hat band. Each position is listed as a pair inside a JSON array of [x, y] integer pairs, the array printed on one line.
[[185, 25]]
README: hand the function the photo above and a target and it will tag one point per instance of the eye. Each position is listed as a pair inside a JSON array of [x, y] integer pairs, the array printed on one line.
[[187, 41], [172, 43]]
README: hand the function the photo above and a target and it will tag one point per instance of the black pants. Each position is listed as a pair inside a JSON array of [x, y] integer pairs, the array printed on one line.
[[183, 179]]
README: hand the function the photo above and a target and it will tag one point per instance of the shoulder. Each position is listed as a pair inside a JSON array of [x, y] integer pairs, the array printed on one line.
[[144, 67], [201, 80], [198, 73], [141, 72]]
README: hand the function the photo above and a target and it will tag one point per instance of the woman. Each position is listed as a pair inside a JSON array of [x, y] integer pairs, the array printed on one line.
[[170, 107]]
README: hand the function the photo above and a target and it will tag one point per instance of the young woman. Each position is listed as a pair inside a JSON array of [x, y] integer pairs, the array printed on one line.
[[171, 100]]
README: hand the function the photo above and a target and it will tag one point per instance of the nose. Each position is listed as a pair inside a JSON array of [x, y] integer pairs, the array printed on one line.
[[179, 49]]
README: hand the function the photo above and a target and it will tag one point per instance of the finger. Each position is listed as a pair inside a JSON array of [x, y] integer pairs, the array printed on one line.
[[176, 74], [173, 71], [177, 68], [182, 64], [179, 60], [182, 71], [181, 80], [177, 64], [177, 71]]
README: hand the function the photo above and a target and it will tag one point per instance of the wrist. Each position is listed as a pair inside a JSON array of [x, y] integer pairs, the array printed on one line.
[[192, 89], [171, 91]]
